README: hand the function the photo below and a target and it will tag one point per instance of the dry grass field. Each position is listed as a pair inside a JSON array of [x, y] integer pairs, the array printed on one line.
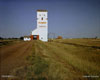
[[60, 59]]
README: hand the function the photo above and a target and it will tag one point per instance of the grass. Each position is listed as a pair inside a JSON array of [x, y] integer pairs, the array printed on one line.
[[58, 60], [7, 42]]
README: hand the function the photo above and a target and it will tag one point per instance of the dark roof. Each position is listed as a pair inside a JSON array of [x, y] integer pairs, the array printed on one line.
[[42, 10]]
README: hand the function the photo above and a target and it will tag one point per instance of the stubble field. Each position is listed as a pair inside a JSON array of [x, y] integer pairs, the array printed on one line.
[[62, 59]]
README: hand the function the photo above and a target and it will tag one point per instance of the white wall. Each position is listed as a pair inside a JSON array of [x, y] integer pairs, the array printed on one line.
[[42, 29], [27, 39]]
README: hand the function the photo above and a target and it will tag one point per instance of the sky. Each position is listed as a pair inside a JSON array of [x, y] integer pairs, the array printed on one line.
[[68, 18]]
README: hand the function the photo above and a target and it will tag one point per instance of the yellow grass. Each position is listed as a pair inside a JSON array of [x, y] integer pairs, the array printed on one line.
[[68, 59]]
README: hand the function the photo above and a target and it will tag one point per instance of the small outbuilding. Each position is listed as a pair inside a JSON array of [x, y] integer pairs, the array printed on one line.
[[27, 38]]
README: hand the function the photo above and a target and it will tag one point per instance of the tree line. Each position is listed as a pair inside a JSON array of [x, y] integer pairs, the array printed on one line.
[[12, 38]]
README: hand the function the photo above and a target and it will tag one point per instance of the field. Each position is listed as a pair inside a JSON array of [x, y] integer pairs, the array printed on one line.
[[59, 59]]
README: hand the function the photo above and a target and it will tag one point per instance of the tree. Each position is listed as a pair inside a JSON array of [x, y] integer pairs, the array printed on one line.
[[1, 38], [21, 38]]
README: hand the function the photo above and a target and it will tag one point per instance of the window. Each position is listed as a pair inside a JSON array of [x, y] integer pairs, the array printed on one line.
[[41, 37], [42, 18]]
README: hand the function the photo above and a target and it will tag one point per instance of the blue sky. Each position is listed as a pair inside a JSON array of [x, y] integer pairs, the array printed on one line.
[[70, 18]]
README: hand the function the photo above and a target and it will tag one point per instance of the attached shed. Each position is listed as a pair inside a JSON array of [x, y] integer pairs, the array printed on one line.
[[34, 37]]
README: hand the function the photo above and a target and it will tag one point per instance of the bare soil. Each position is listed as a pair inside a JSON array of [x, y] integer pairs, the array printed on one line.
[[13, 56]]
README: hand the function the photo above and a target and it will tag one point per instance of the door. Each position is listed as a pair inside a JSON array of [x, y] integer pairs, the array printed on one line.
[[35, 37]]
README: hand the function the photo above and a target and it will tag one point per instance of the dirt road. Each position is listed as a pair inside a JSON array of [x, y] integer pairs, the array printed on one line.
[[13, 56]]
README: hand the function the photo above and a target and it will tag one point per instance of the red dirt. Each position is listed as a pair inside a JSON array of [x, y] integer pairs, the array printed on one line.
[[13, 56]]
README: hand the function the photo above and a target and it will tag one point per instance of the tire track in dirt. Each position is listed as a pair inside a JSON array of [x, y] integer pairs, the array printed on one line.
[[13, 56], [7, 51]]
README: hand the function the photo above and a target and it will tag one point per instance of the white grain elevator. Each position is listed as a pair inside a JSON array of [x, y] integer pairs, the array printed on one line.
[[41, 32]]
